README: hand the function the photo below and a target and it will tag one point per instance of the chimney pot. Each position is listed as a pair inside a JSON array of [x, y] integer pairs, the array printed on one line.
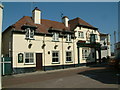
[[65, 20], [36, 15]]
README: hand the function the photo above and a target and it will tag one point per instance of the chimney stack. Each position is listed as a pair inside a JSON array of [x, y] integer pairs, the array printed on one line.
[[36, 15], [65, 20]]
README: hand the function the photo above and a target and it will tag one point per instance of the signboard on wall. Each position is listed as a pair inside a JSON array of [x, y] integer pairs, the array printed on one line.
[[20, 58], [104, 48]]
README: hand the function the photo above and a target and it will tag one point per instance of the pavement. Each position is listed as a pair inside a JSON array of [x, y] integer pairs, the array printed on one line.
[[94, 76]]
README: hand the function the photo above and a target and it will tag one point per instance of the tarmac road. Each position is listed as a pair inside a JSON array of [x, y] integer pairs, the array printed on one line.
[[80, 77]]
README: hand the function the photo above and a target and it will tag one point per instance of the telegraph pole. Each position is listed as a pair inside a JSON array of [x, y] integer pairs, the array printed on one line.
[[1, 17], [114, 36]]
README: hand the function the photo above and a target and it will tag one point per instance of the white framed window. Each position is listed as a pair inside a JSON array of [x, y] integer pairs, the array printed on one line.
[[85, 54], [55, 56], [29, 33], [80, 34], [68, 56], [29, 58], [68, 38], [96, 37], [55, 36], [102, 38]]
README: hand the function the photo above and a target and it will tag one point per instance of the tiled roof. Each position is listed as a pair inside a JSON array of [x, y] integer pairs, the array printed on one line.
[[78, 21], [47, 24], [42, 28]]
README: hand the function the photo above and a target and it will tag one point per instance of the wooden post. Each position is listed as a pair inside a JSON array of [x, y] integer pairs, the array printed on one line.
[[1, 17]]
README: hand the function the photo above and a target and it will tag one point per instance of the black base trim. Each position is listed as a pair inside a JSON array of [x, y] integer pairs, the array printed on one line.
[[23, 70], [33, 69]]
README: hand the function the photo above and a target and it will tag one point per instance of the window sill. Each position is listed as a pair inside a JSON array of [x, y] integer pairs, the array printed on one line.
[[54, 41], [55, 62], [29, 38], [29, 63], [80, 37], [69, 62], [68, 41]]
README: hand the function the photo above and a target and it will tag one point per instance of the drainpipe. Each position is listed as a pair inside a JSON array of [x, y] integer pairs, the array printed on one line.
[[78, 55], [62, 52], [44, 50], [74, 50]]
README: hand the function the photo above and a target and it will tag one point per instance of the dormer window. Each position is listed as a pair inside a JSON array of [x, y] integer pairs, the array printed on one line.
[[55, 36], [29, 33], [68, 38]]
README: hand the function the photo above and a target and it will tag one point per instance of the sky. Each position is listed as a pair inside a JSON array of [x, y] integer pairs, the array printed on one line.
[[103, 15]]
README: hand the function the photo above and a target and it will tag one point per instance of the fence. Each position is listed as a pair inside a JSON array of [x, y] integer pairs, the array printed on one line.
[[6, 66]]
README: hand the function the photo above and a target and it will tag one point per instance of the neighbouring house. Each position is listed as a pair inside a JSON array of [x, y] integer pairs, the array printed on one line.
[[39, 44], [117, 50], [105, 45]]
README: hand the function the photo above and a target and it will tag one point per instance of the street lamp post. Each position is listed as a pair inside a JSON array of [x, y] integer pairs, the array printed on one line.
[[1, 16]]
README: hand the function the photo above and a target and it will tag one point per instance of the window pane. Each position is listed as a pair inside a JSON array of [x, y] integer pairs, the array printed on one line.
[[69, 53], [53, 36], [27, 55], [31, 54], [54, 60], [66, 53], [53, 54], [26, 60], [31, 34], [68, 56], [57, 36], [31, 61], [56, 54]]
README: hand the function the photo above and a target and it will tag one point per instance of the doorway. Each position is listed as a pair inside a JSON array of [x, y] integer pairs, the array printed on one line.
[[38, 61]]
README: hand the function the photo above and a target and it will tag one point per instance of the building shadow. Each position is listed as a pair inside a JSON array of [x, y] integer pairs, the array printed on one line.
[[106, 75]]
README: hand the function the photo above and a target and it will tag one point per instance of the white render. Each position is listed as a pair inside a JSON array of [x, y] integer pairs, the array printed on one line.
[[37, 16], [105, 39], [117, 50], [65, 21], [86, 33]]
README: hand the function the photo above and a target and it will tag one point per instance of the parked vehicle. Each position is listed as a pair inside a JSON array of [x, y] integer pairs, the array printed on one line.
[[114, 62]]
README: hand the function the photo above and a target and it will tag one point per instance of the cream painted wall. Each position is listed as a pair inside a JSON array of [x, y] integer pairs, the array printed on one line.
[[86, 32], [105, 53], [20, 45]]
